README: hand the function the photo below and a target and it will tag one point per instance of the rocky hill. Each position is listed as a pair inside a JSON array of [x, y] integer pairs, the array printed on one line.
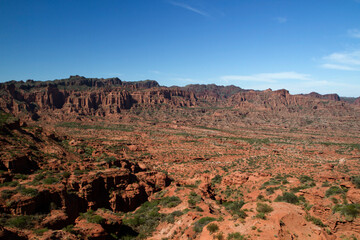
[[89, 158]]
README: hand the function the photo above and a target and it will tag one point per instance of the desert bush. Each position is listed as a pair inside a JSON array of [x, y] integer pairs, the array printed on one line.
[[198, 226], [7, 194], [40, 231], [171, 217], [351, 211], [28, 191], [170, 202], [199, 209], [69, 228], [194, 199], [287, 197], [315, 220], [234, 208], [21, 176], [304, 179], [22, 222], [50, 180], [216, 180], [235, 236], [219, 236], [9, 184], [263, 208], [261, 215], [212, 227], [91, 217], [333, 190], [145, 219], [356, 181]]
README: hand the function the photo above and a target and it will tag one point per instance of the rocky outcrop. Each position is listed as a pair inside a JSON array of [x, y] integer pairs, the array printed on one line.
[[170, 97], [357, 101], [333, 96], [212, 92]]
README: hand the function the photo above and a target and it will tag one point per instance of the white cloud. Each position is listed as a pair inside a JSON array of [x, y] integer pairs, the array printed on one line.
[[187, 7], [267, 77], [348, 61], [355, 33], [337, 67], [281, 19]]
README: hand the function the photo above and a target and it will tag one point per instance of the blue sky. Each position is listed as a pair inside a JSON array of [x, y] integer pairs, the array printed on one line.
[[300, 45]]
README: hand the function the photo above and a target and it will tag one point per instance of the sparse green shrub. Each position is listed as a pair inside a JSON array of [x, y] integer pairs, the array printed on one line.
[[198, 226], [145, 219], [69, 228], [171, 217], [271, 190], [212, 228], [350, 211], [39, 177], [219, 236], [28, 191], [261, 215], [170, 202], [199, 209], [194, 199], [7, 194], [110, 159], [326, 184], [235, 236], [22, 222], [304, 179], [91, 217], [234, 208], [9, 184], [315, 220], [356, 181], [263, 208], [287, 197], [216, 180], [21, 176], [333, 190], [50, 180], [41, 231]]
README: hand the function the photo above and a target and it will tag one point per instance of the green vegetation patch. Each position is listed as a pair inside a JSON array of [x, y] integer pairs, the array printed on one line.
[[334, 190], [22, 222], [350, 211], [194, 199], [199, 225], [234, 208], [264, 208], [356, 180], [315, 220], [91, 217], [288, 197], [145, 220], [212, 228], [114, 127], [235, 236], [216, 180], [170, 202]]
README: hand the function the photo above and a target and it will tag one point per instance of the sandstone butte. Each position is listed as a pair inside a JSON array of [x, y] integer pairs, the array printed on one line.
[[86, 158]]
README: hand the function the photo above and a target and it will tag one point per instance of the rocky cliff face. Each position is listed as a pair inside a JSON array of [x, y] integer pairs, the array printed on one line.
[[80, 96], [333, 96]]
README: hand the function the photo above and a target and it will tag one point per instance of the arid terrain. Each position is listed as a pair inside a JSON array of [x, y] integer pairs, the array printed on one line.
[[84, 158]]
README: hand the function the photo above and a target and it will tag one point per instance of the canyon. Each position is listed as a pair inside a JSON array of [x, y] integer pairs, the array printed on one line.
[[93, 158]]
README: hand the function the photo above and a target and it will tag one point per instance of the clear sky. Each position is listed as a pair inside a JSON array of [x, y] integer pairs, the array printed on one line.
[[300, 45]]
